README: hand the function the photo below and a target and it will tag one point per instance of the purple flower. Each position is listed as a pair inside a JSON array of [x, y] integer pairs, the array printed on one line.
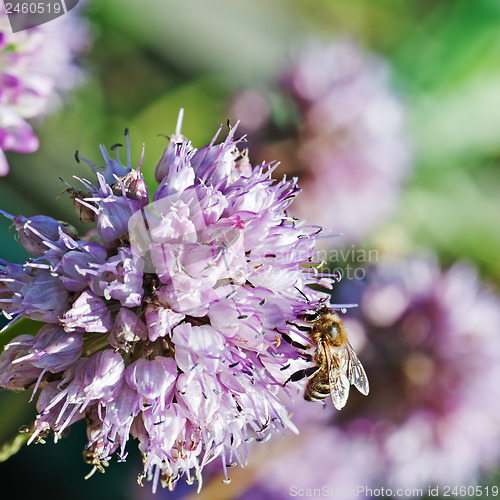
[[35, 232], [15, 374], [165, 321], [37, 64], [26, 359], [89, 313], [119, 278], [431, 347], [347, 142], [34, 293]]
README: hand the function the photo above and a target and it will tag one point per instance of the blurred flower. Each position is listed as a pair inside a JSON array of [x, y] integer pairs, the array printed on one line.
[[35, 66], [164, 322], [347, 142], [432, 347]]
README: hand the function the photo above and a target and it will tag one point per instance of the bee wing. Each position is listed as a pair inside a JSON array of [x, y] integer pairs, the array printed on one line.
[[337, 380], [355, 371], [339, 388]]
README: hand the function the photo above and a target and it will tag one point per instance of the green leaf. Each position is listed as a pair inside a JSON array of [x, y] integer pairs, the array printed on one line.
[[17, 412], [22, 326], [11, 447]]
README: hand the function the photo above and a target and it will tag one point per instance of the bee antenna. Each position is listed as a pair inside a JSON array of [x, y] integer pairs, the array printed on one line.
[[302, 293]]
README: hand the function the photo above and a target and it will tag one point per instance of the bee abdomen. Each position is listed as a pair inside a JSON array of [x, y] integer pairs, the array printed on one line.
[[317, 388], [315, 396]]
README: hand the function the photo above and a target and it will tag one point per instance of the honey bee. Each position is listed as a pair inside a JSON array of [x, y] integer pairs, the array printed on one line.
[[337, 366]]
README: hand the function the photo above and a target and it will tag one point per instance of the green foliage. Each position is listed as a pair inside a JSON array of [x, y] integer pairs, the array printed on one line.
[[11, 447], [22, 326]]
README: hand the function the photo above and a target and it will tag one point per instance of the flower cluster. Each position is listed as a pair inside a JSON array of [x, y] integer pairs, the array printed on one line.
[[164, 323], [346, 142], [432, 346], [33, 64]]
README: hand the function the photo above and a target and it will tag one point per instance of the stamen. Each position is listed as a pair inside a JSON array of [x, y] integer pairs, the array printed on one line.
[[178, 127], [6, 214], [129, 165], [141, 158]]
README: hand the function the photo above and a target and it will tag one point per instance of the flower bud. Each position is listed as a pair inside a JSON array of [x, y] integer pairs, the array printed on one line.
[[35, 231]]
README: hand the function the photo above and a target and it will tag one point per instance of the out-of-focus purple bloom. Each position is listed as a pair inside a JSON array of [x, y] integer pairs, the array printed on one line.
[[347, 143], [432, 346], [166, 320], [36, 66]]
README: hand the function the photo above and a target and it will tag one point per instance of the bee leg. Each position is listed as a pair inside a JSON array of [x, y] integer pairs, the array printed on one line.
[[299, 375], [301, 328], [293, 343], [306, 356]]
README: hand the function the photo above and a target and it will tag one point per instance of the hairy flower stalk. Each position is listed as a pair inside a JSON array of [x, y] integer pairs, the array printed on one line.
[[164, 323]]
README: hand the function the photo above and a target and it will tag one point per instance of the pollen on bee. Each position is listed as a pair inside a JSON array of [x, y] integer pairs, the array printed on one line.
[[278, 341]]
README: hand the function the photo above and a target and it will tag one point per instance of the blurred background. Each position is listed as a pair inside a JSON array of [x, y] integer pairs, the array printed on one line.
[[388, 112]]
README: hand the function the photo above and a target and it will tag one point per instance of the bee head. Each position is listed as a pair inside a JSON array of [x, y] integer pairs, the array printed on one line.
[[317, 314]]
